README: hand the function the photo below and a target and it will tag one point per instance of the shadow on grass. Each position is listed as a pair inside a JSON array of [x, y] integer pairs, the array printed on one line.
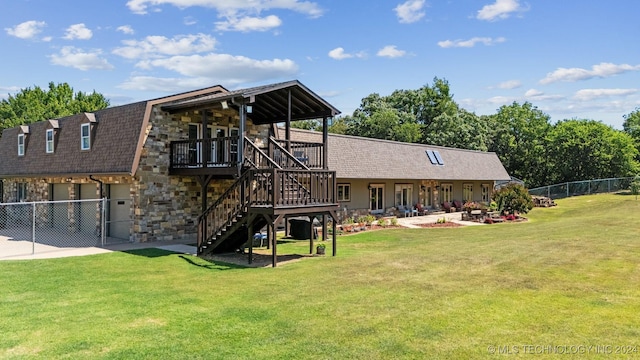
[[211, 264], [150, 252]]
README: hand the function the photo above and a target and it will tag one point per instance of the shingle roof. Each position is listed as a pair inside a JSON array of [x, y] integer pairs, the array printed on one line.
[[363, 158], [113, 144], [117, 137]]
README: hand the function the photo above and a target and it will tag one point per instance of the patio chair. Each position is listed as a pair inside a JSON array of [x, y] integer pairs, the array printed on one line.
[[404, 210]]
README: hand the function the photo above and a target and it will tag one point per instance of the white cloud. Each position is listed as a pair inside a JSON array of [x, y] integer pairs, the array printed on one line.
[[591, 94], [150, 83], [410, 11], [391, 51], [224, 68], [509, 84], [228, 7], [125, 29], [501, 9], [339, 54], [79, 32], [189, 20], [27, 29], [537, 95], [76, 58], [471, 42], [247, 24], [576, 74], [157, 46]]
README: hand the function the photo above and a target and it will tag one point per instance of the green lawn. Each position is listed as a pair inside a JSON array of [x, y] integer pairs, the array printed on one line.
[[567, 279]]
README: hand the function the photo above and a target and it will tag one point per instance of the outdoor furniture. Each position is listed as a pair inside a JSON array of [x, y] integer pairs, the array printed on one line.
[[407, 211]]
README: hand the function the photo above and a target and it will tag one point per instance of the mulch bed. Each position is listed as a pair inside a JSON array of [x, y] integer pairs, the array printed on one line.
[[441, 225]]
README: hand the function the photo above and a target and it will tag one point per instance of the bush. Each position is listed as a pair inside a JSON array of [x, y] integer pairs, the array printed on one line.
[[513, 198]]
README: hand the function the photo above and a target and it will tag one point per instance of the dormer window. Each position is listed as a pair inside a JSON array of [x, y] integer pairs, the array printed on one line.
[[49, 140], [20, 144], [85, 136]]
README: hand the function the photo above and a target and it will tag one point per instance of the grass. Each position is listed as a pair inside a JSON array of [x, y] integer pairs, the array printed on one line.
[[568, 277]]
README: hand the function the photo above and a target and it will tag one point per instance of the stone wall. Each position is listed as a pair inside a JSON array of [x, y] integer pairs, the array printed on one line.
[[169, 206]]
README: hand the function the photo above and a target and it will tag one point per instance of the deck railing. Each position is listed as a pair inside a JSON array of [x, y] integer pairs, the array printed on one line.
[[267, 188], [308, 153], [202, 153]]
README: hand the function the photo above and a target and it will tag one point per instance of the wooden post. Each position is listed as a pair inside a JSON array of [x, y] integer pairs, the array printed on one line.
[[272, 236], [311, 234], [324, 227], [325, 149], [288, 124], [250, 239], [334, 237]]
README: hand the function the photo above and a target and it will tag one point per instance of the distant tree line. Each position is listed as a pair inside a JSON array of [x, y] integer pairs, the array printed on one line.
[[36, 104], [528, 144]]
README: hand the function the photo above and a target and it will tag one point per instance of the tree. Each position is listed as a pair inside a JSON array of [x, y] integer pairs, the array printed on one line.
[[589, 149], [31, 105], [631, 126], [635, 186], [513, 198], [307, 125], [464, 130], [520, 140]]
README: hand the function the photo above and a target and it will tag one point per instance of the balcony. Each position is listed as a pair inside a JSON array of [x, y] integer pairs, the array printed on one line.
[[218, 156]]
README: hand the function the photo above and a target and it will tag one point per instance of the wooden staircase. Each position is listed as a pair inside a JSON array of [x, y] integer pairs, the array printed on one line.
[[266, 187]]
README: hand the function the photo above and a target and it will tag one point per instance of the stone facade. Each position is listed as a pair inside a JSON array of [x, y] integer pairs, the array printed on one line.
[[168, 206]]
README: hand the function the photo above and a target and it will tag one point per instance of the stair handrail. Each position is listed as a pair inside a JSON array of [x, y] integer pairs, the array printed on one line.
[[251, 148], [234, 210], [287, 154]]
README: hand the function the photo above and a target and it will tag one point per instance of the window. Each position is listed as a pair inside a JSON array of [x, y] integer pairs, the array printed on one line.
[[344, 192], [447, 192], [49, 141], [486, 197], [85, 137], [21, 192], [467, 192], [376, 196], [20, 144], [404, 195]]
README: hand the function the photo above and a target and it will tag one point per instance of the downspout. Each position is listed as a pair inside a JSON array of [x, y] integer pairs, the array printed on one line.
[[100, 183]]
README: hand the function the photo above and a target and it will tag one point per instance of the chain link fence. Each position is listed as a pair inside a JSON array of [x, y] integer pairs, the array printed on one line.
[[42, 226], [575, 188]]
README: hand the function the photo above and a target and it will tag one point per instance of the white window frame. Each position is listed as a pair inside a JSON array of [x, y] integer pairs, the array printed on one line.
[[49, 141], [20, 144], [374, 189], [447, 195], [467, 192], [403, 195], [485, 189], [85, 140], [344, 192], [21, 192]]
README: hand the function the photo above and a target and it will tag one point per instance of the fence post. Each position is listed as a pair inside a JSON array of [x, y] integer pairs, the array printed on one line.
[[589, 186], [549, 191], [33, 229], [103, 220]]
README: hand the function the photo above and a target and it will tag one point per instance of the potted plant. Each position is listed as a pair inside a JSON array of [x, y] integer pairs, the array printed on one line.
[[320, 249]]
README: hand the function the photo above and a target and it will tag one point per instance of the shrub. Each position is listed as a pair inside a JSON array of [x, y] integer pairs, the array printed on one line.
[[513, 198], [394, 221], [369, 219], [382, 222]]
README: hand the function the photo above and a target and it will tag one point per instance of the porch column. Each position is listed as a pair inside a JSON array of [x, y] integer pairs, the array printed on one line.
[[242, 130], [325, 138], [288, 124], [206, 146]]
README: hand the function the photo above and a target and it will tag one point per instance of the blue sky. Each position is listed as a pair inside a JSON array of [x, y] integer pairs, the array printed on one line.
[[571, 59]]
